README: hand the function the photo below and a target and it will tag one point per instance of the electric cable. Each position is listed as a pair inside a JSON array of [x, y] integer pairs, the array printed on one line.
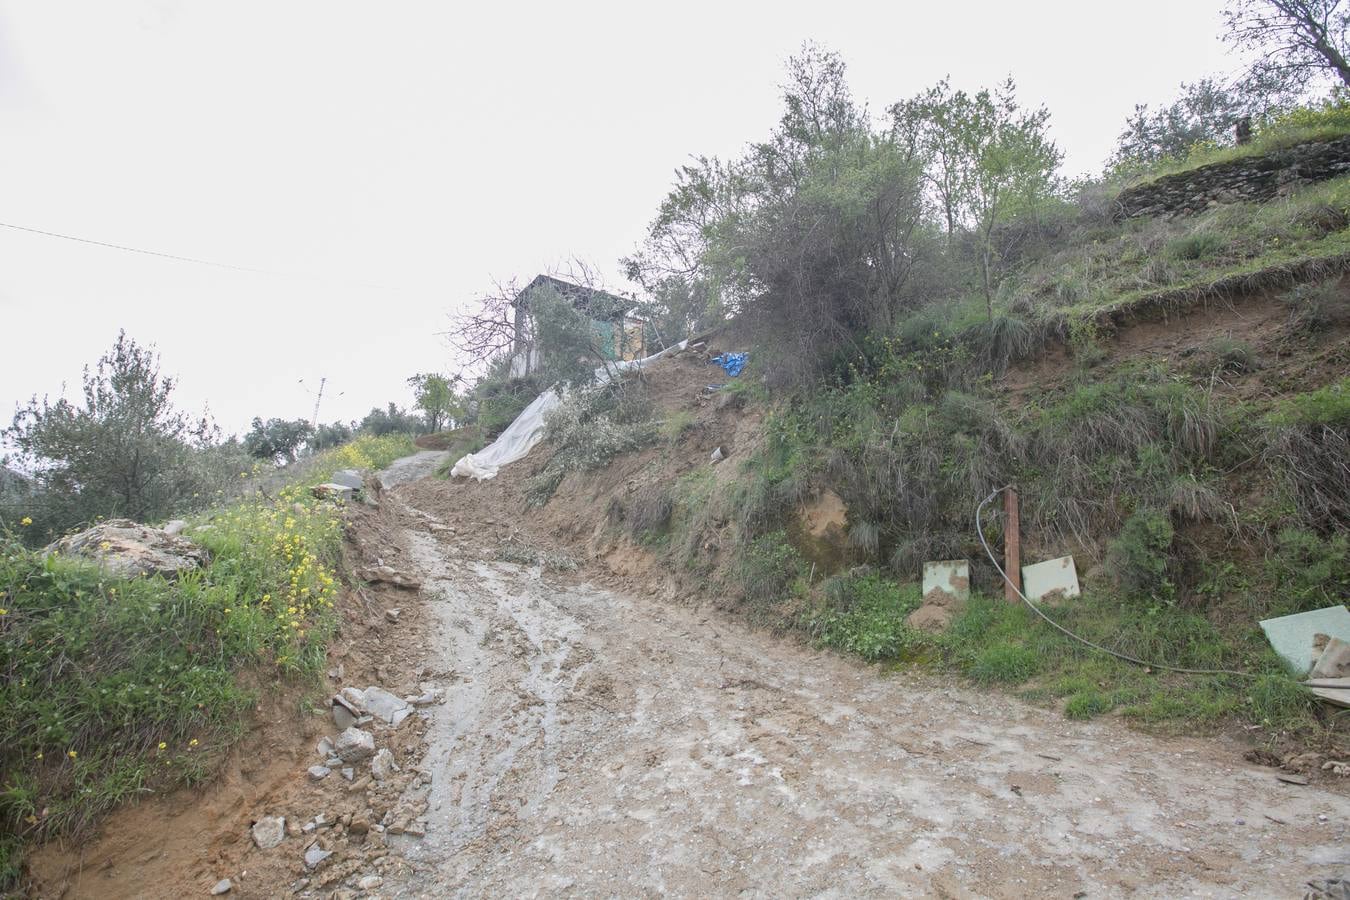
[[979, 528]]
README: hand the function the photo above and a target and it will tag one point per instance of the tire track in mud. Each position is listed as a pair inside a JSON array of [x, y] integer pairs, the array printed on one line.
[[593, 743]]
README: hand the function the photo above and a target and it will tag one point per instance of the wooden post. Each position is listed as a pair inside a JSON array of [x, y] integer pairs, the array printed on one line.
[[1012, 547]]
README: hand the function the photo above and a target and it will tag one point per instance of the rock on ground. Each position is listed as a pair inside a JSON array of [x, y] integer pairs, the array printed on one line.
[[126, 549], [355, 745], [269, 831]]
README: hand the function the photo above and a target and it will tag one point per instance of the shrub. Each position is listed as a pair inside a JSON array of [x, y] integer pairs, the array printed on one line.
[[767, 568], [588, 428], [1199, 244], [866, 616], [649, 512], [1232, 356], [1139, 557], [1308, 441], [1310, 571]]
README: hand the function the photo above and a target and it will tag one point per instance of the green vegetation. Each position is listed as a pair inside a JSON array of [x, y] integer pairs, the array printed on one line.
[[588, 428], [114, 688]]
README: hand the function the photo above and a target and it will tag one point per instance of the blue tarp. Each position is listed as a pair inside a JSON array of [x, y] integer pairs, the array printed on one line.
[[731, 363]]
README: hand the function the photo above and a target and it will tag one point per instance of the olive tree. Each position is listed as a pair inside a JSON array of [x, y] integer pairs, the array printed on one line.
[[121, 451]]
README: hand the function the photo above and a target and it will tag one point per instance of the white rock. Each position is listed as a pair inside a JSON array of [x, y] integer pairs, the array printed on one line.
[[319, 772], [370, 882], [382, 766], [269, 831], [315, 855], [348, 478], [348, 773], [342, 716], [222, 887], [355, 745], [392, 614], [354, 699], [176, 527], [325, 747], [383, 705]]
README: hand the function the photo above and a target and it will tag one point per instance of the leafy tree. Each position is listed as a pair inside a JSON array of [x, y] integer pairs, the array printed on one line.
[[1205, 113], [392, 420], [277, 439], [812, 237], [1296, 43], [988, 160], [434, 394], [333, 435], [125, 451]]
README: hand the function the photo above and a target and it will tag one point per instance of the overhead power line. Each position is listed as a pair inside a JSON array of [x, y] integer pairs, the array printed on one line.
[[193, 259], [187, 259]]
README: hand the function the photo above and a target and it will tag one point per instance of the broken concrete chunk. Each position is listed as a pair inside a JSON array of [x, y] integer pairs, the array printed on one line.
[[386, 706], [269, 831], [388, 575], [332, 491], [1054, 579], [382, 766], [1292, 636], [1335, 659], [946, 588], [355, 745], [315, 855], [349, 478]]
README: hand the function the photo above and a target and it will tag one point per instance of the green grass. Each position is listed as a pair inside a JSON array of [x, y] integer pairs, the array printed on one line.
[[114, 689], [1301, 126], [1116, 265], [866, 616]]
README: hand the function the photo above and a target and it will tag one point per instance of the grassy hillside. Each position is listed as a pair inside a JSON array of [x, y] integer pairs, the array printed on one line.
[[117, 688], [1171, 399]]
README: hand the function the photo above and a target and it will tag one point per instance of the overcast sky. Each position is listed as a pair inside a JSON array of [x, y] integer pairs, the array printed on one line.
[[389, 161]]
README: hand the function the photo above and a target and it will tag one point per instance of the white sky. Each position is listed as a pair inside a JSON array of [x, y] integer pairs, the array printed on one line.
[[396, 158]]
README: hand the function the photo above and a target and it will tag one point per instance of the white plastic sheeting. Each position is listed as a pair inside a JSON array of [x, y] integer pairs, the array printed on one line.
[[528, 429]]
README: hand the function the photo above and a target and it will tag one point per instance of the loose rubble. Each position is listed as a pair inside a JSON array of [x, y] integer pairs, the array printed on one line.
[[269, 831]]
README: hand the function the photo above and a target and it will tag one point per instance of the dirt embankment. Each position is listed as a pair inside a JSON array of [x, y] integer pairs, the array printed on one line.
[[183, 844]]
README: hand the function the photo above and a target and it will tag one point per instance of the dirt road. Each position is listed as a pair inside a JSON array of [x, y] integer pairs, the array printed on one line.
[[597, 744]]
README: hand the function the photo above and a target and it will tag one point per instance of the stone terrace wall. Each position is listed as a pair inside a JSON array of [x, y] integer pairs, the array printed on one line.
[[1253, 178]]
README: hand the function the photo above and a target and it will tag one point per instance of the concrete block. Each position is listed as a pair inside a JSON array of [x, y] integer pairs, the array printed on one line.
[[951, 578], [1050, 580], [1292, 636]]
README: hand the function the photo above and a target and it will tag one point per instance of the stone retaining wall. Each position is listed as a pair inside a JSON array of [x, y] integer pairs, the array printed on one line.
[[1255, 178]]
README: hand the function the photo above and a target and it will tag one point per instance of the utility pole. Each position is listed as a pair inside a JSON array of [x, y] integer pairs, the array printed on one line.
[[314, 423], [318, 398]]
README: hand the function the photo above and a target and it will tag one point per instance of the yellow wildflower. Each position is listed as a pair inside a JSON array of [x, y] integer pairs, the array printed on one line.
[[72, 754], [26, 521]]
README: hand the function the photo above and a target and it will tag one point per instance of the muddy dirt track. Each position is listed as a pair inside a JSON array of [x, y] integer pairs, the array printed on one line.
[[595, 744]]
